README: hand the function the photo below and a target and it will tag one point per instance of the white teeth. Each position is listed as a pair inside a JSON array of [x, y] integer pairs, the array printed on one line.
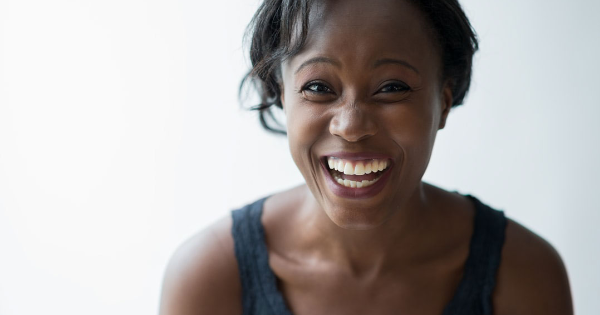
[[359, 169], [356, 167], [348, 169], [368, 168], [340, 166], [352, 183]]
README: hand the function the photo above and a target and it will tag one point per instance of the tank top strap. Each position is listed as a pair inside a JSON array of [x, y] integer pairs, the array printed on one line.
[[260, 294], [474, 293], [259, 284]]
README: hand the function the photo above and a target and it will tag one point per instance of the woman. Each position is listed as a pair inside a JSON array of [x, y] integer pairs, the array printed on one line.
[[365, 86]]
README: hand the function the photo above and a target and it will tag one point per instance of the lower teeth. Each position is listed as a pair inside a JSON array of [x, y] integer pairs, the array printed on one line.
[[352, 183]]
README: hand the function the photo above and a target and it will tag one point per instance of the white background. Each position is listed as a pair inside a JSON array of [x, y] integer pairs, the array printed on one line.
[[121, 136]]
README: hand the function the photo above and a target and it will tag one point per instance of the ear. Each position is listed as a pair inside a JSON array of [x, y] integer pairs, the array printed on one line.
[[446, 104]]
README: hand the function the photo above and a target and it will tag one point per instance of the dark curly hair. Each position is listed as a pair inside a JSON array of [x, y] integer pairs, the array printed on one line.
[[276, 24]]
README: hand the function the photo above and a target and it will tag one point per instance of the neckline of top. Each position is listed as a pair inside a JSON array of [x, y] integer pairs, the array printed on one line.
[[277, 300]]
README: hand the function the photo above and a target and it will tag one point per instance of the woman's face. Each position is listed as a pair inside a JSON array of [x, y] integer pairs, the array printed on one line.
[[364, 94]]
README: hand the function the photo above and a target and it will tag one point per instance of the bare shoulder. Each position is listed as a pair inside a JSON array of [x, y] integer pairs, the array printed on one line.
[[532, 278], [202, 276]]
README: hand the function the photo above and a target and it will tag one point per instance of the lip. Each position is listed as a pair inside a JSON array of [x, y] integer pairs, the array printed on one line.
[[356, 193], [355, 156]]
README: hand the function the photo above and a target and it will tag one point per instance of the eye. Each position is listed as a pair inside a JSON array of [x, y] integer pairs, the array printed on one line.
[[317, 88], [318, 91], [394, 87]]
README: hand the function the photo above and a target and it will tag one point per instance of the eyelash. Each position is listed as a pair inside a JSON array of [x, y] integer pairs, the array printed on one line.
[[402, 87], [313, 83]]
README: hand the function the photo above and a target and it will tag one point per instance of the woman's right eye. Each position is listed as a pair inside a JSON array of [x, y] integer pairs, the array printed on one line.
[[317, 88]]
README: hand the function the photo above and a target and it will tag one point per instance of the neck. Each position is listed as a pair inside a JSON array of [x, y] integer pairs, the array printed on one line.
[[372, 251]]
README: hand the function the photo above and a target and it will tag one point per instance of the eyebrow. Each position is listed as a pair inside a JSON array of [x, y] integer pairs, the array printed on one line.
[[318, 60], [385, 61], [376, 64]]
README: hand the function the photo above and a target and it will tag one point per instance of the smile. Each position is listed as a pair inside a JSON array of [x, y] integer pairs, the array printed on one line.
[[356, 174]]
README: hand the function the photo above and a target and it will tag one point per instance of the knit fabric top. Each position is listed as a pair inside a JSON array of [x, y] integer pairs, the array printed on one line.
[[260, 295]]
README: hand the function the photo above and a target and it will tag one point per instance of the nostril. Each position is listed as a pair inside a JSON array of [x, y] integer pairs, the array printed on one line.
[[353, 138], [353, 125]]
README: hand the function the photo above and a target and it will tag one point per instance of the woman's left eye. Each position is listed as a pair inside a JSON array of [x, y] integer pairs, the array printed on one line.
[[394, 87]]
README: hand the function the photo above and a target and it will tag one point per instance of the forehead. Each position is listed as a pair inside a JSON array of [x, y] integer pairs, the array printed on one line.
[[359, 31]]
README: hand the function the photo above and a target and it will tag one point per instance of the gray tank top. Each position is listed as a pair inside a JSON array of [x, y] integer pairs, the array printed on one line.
[[260, 295]]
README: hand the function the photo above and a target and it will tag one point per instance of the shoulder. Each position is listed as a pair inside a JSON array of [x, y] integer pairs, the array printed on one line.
[[532, 278], [202, 276]]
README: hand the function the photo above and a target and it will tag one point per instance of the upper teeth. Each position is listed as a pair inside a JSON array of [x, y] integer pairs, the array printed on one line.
[[357, 167]]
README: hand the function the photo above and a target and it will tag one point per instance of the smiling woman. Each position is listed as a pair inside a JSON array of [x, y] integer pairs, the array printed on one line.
[[365, 86]]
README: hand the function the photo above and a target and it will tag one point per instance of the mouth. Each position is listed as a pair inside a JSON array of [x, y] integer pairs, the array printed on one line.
[[356, 178]]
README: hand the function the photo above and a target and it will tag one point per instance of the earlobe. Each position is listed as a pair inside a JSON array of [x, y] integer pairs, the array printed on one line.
[[446, 105]]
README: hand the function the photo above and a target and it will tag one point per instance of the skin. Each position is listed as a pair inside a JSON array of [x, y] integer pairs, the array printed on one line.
[[399, 252]]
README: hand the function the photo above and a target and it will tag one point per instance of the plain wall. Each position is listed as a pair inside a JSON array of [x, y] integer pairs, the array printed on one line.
[[121, 136]]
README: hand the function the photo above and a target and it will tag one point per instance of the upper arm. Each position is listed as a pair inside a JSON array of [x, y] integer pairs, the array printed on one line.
[[532, 278], [202, 276]]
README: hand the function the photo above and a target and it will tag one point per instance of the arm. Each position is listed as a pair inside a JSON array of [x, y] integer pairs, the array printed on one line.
[[202, 276], [532, 278]]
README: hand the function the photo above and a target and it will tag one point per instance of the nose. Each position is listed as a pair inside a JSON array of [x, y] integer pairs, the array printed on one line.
[[353, 123]]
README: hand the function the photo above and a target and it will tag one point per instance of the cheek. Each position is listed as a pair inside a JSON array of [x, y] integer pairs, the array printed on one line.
[[305, 121], [410, 125], [413, 129], [306, 124]]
